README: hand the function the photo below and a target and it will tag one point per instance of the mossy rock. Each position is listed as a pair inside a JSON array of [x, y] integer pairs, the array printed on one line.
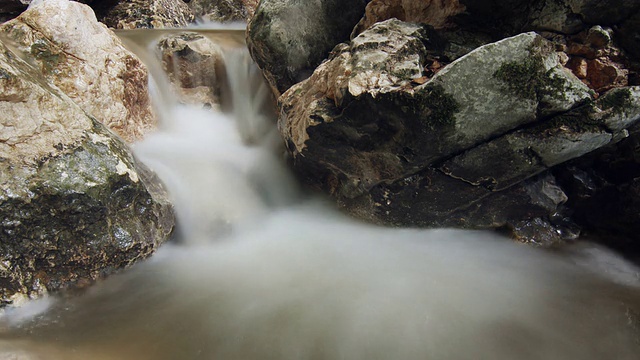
[[75, 204]]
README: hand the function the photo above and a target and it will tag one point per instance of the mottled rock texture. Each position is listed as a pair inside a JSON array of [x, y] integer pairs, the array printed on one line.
[[143, 14], [72, 50], [398, 144], [195, 66], [289, 38], [74, 203], [223, 10]]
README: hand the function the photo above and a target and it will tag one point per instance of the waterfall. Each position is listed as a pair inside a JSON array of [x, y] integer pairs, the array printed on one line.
[[263, 271]]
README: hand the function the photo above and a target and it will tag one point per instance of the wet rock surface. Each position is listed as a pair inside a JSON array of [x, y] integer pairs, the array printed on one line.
[[398, 143], [195, 66], [72, 50], [288, 39], [75, 205], [604, 193]]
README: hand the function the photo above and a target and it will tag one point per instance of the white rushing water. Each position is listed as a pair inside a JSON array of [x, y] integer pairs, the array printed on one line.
[[265, 272]]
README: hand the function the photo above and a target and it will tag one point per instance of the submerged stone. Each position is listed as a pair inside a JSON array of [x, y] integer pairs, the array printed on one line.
[[195, 66]]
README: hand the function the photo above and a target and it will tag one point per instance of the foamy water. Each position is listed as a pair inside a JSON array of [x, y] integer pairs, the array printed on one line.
[[264, 272]]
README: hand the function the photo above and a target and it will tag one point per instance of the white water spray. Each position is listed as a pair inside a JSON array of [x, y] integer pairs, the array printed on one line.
[[266, 275]]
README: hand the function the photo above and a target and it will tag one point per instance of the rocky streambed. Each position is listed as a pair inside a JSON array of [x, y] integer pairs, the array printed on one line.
[[474, 117], [519, 116]]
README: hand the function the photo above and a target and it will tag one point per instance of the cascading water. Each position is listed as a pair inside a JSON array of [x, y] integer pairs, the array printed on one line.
[[266, 273]]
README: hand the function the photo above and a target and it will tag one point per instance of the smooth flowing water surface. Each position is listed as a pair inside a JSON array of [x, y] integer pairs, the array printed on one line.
[[261, 270]]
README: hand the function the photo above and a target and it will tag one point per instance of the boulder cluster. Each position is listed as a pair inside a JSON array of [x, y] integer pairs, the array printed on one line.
[[514, 115]]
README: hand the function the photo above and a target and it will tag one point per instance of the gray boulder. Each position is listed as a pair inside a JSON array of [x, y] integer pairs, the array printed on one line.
[[289, 38], [397, 142], [75, 205]]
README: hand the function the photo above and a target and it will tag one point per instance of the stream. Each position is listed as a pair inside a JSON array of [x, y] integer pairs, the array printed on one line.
[[262, 269]]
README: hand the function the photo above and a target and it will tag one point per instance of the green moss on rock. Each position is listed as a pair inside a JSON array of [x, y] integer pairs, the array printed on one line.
[[441, 106], [41, 51], [617, 100], [530, 79]]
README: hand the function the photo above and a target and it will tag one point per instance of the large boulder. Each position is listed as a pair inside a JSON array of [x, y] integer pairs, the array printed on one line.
[[71, 49], [144, 14], [398, 141], [289, 38], [75, 205]]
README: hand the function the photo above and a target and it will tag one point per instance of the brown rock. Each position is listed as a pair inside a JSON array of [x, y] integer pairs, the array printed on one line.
[[579, 67], [604, 74], [596, 60], [436, 13]]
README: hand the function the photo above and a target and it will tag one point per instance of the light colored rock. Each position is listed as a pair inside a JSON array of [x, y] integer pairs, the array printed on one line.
[[86, 61], [74, 203]]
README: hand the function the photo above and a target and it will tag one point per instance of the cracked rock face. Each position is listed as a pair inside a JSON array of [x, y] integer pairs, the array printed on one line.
[[289, 38], [72, 50], [397, 143], [74, 203]]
